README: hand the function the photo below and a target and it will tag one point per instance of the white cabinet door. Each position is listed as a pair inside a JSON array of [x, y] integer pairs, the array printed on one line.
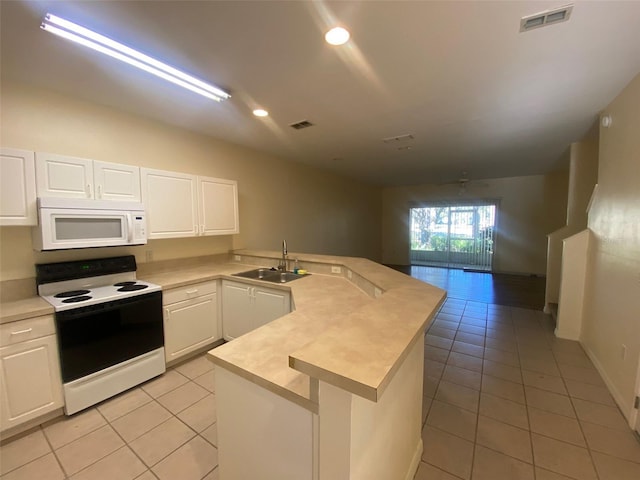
[[114, 181], [269, 304], [170, 201], [218, 206], [17, 187], [245, 307], [237, 309], [189, 325], [60, 176], [30, 382]]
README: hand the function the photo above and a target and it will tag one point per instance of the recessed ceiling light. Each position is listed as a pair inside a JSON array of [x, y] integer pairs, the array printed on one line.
[[337, 36], [258, 112]]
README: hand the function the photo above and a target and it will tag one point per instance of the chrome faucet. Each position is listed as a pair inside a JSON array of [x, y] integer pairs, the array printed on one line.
[[282, 265]]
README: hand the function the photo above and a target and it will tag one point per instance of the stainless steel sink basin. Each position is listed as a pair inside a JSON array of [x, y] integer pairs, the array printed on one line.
[[259, 273], [273, 276], [282, 277]]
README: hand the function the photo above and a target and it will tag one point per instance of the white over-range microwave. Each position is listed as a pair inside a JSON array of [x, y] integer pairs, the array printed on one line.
[[65, 223]]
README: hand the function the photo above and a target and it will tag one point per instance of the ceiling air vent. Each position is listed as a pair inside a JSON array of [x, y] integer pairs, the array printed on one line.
[[301, 125], [398, 139], [548, 17], [401, 142]]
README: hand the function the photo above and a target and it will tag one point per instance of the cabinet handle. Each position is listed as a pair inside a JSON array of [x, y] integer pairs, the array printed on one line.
[[20, 332], [99, 191], [191, 292], [167, 313], [89, 194], [201, 229]]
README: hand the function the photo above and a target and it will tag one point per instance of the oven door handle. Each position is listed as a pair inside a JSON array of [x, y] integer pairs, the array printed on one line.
[[129, 228]]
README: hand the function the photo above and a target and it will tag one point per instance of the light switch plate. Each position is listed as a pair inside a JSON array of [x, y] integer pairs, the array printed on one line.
[[237, 258], [349, 274], [336, 270]]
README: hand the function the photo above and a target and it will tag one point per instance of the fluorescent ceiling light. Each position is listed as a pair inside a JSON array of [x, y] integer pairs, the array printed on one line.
[[100, 43], [259, 112], [337, 36]]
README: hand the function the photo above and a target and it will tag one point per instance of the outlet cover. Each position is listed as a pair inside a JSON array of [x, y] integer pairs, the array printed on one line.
[[349, 274], [336, 270], [237, 258]]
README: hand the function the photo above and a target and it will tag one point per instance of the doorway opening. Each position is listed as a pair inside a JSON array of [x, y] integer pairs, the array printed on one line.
[[453, 235]]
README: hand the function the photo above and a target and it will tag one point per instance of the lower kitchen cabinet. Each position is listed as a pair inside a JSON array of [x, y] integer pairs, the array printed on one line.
[[246, 307], [30, 382], [190, 319]]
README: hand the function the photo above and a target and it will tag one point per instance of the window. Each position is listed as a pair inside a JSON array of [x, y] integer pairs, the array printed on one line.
[[452, 235]]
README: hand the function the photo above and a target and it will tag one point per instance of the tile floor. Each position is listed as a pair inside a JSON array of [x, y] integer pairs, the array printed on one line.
[[503, 400], [165, 429]]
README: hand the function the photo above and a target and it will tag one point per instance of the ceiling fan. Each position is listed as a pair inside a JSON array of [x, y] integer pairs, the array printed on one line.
[[463, 181]]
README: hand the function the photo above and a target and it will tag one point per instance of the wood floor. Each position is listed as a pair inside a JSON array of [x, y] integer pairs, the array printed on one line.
[[500, 289]]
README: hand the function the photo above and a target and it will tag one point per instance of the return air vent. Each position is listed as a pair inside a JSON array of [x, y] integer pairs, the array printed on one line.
[[401, 142], [301, 125], [400, 139], [548, 17]]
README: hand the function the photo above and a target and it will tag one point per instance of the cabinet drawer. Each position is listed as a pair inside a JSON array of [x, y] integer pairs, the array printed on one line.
[[191, 291], [23, 330]]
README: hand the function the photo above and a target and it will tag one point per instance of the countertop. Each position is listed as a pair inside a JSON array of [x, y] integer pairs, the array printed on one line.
[[337, 333], [353, 333], [26, 308]]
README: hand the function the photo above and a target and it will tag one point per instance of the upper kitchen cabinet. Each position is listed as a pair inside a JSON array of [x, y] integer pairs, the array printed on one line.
[[170, 200], [17, 187], [114, 181], [183, 205], [62, 176], [218, 206]]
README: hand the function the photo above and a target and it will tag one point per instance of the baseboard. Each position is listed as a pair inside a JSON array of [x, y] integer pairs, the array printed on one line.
[[551, 309], [626, 408], [415, 461], [195, 353], [567, 334], [520, 274], [29, 426]]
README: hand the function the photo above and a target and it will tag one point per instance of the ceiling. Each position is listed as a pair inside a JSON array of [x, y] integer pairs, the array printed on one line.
[[476, 95]]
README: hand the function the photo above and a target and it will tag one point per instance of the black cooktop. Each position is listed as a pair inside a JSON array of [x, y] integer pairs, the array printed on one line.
[[71, 293], [80, 298]]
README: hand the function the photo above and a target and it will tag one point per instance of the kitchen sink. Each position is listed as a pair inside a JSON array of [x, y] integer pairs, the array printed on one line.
[[273, 276], [258, 273], [282, 277]]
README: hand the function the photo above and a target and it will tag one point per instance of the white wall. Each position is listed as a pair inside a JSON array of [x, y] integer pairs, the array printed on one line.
[[612, 297], [315, 211], [530, 207], [365, 440]]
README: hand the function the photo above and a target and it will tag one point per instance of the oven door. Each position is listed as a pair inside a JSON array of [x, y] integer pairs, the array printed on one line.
[[99, 336]]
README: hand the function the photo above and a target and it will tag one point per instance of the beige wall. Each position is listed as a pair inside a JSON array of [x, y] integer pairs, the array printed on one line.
[[529, 208], [313, 210], [582, 176], [612, 297]]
